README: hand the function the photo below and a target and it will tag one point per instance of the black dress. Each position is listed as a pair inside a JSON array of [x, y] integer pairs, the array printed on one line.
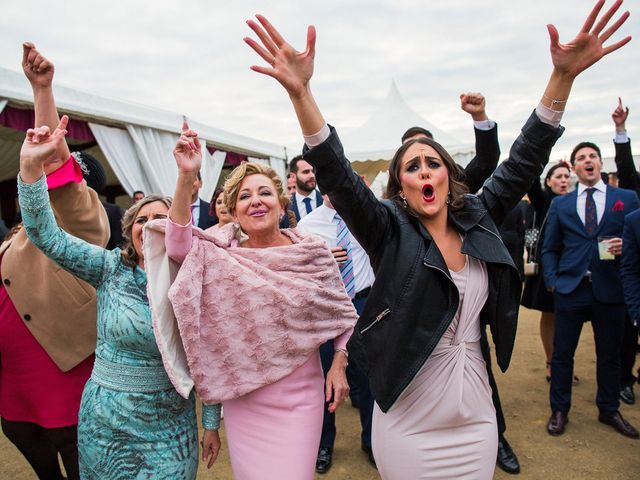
[[535, 294]]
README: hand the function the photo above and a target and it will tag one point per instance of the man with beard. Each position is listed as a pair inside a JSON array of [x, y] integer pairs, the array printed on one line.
[[306, 198]]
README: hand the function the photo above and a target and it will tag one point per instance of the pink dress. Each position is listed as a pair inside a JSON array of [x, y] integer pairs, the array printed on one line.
[[444, 424], [273, 433]]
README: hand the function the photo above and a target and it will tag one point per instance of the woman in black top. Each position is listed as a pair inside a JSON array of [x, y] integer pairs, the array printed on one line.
[[535, 295]]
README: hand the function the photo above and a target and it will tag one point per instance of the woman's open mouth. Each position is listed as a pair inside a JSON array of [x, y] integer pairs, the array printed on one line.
[[258, 213], [428, 193]]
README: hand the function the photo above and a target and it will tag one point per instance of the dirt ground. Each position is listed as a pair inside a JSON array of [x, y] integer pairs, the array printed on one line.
[[588, 449]]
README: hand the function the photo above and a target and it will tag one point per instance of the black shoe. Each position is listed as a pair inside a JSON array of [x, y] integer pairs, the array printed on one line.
[[323, 462], [557, 423], [369, 453], [507, 459], [620, 424], [627, 395]]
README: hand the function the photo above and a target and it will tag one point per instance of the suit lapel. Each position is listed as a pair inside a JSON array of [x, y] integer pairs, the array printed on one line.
[[294, 206], [572, 204]]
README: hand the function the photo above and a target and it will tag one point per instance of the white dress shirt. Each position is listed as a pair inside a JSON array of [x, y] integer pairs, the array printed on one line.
[[599, 198], [320, 222], [302, 209], [195, 212]]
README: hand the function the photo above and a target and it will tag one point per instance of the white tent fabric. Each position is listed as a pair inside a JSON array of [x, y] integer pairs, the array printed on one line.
[[211, 170], [120, 151], [140, 151], [3, 103], [155, 152], [379, 137], [280, 166]]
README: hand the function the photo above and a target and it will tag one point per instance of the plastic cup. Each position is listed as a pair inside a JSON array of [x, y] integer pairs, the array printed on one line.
[[603, 248]]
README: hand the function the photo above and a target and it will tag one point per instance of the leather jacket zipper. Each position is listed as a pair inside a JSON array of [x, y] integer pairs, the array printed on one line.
[[380, 316]]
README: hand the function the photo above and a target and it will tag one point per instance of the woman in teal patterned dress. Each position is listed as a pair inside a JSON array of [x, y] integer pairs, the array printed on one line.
[[132, 422]]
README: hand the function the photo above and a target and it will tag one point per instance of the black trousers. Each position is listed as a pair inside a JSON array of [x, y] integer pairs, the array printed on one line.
[[628, 353], [495, 396], [41, 446], [360, 385], [607, 321]]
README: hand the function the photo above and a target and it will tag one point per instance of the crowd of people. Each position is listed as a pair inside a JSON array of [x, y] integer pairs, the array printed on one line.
[[280, 299]]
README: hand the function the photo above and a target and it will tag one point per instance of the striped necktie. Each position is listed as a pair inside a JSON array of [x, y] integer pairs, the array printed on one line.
[[346, 269], [590, 212]]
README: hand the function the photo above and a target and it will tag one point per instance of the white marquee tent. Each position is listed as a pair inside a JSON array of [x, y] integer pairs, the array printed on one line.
[[371, 146], [136, 141]]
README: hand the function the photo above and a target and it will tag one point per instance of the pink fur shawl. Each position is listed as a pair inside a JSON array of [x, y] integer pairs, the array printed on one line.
[[248, 317]]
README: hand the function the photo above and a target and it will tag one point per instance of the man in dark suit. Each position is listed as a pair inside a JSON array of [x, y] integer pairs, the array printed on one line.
[[199, 208], [628, 177], [630, 265], [306, 198], [581, 264], [478, 170]]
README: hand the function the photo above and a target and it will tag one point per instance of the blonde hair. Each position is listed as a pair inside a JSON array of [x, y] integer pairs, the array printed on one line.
[[232, 184], [129, 255]]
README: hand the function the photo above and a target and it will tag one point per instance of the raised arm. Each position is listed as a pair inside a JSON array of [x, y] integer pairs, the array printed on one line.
[[366, 218], [628, 176], [188, 155], [487, 155], [531, 150], [39, 71], [77, 207], [82, 259]]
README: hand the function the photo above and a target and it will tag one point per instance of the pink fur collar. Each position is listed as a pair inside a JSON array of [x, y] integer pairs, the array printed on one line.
[[249, 317]]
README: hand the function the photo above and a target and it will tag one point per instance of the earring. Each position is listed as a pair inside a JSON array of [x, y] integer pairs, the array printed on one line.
[[448, 201], [404, 201]]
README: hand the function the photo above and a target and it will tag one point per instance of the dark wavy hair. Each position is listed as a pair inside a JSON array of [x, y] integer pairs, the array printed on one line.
[[457, 189], [560, 164], [582, 145], [212, 205]]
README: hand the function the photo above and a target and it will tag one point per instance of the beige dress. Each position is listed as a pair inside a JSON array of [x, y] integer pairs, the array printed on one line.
[[444, 423]]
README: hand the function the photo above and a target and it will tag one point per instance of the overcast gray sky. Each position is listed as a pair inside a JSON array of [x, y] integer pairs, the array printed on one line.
[[189, 57]]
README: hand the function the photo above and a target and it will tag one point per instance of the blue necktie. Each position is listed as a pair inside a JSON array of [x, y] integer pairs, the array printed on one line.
[[590, 213], [307, 204], [346, 268]]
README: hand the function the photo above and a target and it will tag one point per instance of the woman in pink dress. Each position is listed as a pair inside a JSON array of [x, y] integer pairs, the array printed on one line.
[[441, 267], [249, 331]]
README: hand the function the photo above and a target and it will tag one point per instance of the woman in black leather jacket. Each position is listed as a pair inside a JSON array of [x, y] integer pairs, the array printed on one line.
[[424, 242]]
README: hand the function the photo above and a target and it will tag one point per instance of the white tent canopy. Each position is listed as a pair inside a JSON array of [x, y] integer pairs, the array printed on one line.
[[136, 140], [379, 137]]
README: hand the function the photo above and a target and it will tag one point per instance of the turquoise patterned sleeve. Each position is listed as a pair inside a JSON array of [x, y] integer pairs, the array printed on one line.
[[84, 260], [211, 416]]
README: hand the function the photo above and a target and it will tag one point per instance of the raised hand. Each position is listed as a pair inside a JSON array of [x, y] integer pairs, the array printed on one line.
[[39, 150], [475, 105], [291, 68], [38, 70], [620, 115], [188, 151], [572, 58]]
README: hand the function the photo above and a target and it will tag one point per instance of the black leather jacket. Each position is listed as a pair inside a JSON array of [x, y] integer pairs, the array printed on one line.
[[414, 299]]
